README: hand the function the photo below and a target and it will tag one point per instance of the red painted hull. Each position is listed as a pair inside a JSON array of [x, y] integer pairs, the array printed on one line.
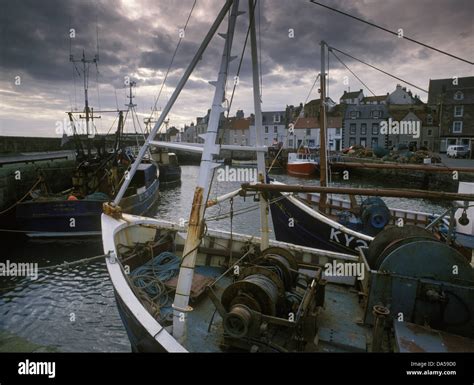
[[304, 169]]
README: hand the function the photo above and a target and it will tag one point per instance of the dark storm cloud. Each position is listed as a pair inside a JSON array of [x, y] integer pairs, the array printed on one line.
[[138, 39]]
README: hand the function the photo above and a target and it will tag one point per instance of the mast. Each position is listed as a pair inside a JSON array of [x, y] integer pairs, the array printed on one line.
[[85, 75], [258, 127], [195, 227], [323, 128], [172, 100]]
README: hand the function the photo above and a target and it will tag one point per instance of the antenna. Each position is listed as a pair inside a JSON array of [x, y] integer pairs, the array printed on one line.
[[85, 74], [116, 101], [130, 94], [97, 39]]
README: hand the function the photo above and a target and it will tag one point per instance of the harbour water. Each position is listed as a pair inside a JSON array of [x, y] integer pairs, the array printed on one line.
[[73, 308]]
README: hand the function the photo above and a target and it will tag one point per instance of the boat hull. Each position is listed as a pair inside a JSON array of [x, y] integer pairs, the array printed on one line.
[[169, 174], [303, 169], [79, 218], [293, 225]]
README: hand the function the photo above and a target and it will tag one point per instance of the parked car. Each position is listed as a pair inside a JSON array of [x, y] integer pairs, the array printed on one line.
[[458, 152]]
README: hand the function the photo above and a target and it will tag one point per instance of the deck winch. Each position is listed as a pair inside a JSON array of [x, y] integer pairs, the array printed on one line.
[[272, 294], [421, 279], [374, 214]]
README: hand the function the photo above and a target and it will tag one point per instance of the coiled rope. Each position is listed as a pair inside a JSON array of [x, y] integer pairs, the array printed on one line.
[[151, 276]]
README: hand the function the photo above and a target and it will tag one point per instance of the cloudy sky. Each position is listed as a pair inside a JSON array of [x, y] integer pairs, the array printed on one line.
[[137, 39]]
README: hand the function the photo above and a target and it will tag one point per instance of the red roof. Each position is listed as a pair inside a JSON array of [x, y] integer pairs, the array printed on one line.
[[238, 123], [332, 122]]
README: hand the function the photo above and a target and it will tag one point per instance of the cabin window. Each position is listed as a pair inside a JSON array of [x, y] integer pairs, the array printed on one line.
[[457, 127], [352, 129], [458, 111], [363, 129]]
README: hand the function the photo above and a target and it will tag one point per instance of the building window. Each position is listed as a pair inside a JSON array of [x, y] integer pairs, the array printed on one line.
[[352, 141], [275, 129], [311, 143], [429, 119], [458, 95], [375, 128], [457, 127], [290, 143], [266, 129], [430, 132], [353, 114], [363, 142], [374, 142], [308, 132], [363, 129], [458, 111], [352, 129], [276, 119], [338, 131]]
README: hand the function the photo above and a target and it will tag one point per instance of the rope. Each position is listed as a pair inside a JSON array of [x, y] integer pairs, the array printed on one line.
[[65, 264], [149, 277], [171, 62], [24, 196], [296, 121], [353, 73], [68, 264]]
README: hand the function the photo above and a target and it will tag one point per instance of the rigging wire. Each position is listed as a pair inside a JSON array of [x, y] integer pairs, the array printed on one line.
[[300, 115], [260, 51], [171, 62], [391, 32], [352, 72], [378, 69], [98, 73]]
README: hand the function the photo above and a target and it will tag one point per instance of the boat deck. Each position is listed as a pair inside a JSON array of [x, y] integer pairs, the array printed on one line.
[[340, 322]]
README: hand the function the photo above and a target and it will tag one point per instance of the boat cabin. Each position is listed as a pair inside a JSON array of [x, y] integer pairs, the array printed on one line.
[[301, 157]]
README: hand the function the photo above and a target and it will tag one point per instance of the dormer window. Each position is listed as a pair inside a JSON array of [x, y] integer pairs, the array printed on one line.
[[353, 114], [276, 119], [375, 114], [458, 95]]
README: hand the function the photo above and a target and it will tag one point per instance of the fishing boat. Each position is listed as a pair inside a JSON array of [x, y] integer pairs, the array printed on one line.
[[345, 224], [76, 211], [301, 163], [193, 289]]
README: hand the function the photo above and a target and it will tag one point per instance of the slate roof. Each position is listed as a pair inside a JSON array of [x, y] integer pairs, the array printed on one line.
[[365, 110], [443, 90], [350, 95]]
